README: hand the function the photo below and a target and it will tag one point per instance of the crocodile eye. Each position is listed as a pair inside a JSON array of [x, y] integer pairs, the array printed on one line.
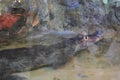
[[85, 38]]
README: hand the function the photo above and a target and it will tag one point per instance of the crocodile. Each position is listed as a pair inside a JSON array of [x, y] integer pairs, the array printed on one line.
[[38, 56]]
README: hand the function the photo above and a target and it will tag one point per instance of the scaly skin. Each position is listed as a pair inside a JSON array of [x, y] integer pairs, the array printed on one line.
[[26, 59]]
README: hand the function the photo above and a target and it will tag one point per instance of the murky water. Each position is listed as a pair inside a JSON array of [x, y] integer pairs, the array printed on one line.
[[77, 70], [84, 66]]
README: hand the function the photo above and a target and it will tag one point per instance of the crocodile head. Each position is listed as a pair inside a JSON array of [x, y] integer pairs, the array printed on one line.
[[85, 41]]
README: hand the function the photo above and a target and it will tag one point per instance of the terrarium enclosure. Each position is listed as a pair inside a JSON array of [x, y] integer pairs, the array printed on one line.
[[59, 39]]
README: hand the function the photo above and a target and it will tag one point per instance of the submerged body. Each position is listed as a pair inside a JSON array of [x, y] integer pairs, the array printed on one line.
[[29, 58]]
